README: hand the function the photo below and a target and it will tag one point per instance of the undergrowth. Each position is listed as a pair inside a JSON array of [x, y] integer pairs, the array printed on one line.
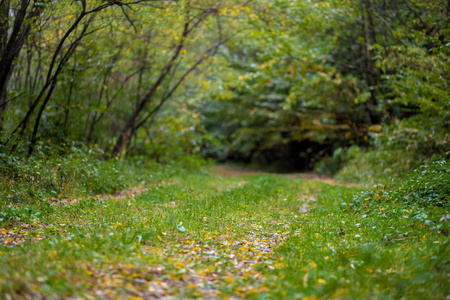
[[395, 149], [390, 241], [29, 187]]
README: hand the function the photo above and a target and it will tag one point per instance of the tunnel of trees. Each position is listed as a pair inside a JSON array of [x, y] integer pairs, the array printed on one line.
[[224, 149], [277, 83]]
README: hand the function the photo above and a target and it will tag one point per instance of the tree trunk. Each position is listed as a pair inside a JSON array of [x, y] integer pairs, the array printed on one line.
[[11, 43], [51, 76], [128, 128], [370, 71], [39, 117]]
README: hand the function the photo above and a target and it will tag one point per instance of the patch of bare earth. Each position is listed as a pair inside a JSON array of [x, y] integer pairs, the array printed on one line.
[[22, 232], [325, 179], [229, 171], [126, 193]]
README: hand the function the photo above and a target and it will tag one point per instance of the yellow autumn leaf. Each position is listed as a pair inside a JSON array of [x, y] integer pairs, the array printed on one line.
[[229, 280]]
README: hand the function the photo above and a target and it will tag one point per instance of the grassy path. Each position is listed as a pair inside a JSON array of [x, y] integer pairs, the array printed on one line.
[[249, 235]]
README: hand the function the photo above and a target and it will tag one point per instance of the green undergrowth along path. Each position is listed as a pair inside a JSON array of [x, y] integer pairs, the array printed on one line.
[[256, 236], [388, 242]]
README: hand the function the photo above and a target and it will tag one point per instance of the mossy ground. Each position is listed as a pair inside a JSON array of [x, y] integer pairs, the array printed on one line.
[[199, 235]]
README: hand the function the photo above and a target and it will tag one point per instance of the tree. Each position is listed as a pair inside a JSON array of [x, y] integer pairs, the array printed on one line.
[[17, 20]]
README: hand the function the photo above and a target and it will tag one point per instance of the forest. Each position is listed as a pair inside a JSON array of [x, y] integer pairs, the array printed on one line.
[[261, 149]]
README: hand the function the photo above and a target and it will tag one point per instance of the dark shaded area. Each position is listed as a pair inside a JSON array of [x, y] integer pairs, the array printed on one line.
[[291, 157], [283, 158]]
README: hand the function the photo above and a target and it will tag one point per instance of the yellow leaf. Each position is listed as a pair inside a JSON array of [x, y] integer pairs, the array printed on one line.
[[229, 280], [338, 293]]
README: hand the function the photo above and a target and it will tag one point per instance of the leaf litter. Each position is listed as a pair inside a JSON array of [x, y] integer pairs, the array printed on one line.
[[195, 268], [228, 265]]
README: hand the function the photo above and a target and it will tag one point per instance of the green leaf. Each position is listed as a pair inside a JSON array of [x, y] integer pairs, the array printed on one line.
[[181, 228]]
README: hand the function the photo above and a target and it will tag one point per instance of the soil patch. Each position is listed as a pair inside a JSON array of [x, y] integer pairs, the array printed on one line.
[[230, 171]]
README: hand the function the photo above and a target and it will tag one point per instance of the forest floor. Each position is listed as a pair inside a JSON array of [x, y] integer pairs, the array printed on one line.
[[221, 233]]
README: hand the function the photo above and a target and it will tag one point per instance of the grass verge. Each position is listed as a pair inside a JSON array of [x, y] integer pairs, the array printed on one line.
[[255, 236]]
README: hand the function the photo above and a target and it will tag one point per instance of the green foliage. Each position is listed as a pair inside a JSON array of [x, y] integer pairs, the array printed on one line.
[[287, 87], [172, 137], [426, 186], [397, 148], [272, 101], [424, 134], [389, 241], [295, 80], [330, 165], [51, 175], [373, 166]]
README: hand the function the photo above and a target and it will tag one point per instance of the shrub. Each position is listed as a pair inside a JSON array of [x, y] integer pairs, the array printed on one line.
[[50, 175]]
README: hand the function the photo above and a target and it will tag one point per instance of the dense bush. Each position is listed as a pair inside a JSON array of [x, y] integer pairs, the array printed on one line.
[[403, 205], [373, 166], [425, 134], [427, 185], [50, 175], [396, 148]]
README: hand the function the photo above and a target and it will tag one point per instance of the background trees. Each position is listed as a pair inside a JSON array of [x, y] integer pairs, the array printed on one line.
[[321, 76], [92, 55], [17, 18], [281, 83]]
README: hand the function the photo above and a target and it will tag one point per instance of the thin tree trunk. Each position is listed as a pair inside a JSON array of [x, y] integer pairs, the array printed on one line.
[[39, 117], [97, 117], [69, 99], [370, 72], [128, 128], [11, 47]]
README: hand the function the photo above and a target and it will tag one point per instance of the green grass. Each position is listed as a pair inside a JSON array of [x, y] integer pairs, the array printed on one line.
[[29, 186], [197, 235]]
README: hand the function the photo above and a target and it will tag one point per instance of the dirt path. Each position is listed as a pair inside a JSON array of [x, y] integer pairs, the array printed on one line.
[[230, 171]]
